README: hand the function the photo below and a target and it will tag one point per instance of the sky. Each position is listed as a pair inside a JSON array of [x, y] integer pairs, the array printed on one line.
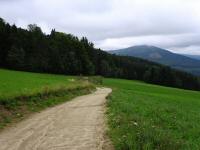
[[114, 24]]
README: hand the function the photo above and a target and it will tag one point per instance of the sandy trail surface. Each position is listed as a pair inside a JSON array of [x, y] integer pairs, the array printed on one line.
[[74, 125]]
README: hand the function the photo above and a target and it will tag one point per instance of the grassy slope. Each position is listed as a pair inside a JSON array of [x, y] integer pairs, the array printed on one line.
[[144, 116], [22, 93], [15, 83]]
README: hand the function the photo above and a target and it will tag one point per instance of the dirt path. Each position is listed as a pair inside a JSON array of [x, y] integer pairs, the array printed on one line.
[[75, 125]]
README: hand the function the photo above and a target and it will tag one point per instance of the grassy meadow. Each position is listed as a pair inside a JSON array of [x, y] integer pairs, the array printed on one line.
[[16, 83], [149, 117], [22, 93], [140, 116]]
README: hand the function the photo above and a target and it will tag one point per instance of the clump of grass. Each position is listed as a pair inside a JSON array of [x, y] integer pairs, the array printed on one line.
[[149, 117], [98, 80]]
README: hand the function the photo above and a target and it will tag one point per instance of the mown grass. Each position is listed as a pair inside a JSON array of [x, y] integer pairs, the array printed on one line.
[[22, 93], [149, 117]]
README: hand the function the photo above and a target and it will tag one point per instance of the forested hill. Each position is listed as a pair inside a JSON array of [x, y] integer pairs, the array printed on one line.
[[60, 53], [162, 56]]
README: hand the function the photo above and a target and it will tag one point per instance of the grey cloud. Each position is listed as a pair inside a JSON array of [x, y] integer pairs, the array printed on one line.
[[114, 23], [171, 42]]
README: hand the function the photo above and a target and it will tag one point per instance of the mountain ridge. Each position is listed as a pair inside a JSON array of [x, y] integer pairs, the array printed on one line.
[[162, 56]]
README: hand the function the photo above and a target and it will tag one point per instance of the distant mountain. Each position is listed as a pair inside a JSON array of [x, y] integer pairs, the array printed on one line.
[[162, 56], [193, 56]]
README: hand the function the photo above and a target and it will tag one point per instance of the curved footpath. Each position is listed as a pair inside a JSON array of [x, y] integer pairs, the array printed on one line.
[[74, 125]]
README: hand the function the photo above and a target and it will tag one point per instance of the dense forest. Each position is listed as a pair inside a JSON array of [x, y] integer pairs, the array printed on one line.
[[60, 53]]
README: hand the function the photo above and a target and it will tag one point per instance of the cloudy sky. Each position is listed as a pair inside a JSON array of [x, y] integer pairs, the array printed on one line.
[[114, 24]]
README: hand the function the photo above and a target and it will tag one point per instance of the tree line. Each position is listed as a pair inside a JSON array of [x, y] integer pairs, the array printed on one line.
[[59, 53]]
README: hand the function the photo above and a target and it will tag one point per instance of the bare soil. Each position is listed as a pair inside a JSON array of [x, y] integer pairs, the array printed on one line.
[[75, 125]]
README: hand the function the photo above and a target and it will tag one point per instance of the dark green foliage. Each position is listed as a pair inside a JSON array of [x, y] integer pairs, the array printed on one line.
[[60, 53], [15, 58]]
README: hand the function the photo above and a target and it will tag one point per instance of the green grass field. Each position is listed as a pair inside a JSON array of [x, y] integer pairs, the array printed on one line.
[[22, 93], [16, 83], [149, 117], [140, 116]]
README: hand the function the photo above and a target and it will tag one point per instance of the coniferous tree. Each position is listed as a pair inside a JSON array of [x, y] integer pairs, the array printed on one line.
[[15, 58]]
